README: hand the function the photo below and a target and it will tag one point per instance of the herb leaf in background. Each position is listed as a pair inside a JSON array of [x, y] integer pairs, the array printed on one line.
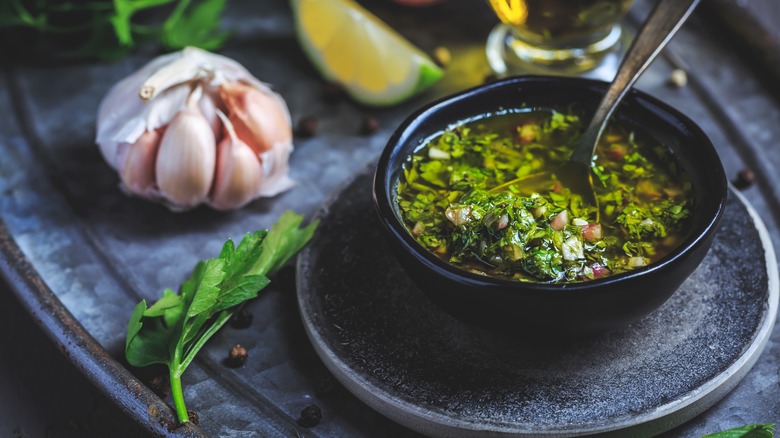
[[198, 28], [749, 431], [175, 328], [109, 29]]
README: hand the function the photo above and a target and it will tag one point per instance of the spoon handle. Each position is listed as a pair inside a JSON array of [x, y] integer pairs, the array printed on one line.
[[665, 20]]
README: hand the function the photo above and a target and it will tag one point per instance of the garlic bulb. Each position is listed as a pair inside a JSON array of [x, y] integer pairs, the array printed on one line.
[[194, 127]]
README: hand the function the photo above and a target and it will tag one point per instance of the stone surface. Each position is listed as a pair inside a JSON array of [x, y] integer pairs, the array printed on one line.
[[402, 355]]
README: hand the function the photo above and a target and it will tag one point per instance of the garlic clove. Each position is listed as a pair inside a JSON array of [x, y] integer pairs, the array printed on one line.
[[260, 117], [138, 162], [238, 172], [187, 157]]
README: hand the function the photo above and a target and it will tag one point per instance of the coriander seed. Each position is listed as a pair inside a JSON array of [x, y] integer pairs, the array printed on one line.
[[237, 356]]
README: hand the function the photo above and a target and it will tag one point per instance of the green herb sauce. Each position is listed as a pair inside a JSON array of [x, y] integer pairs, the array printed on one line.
[[483, 197]]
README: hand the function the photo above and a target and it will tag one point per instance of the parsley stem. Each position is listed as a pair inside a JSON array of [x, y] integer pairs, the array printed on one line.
[[202, 339], [178, 11], [178, 396]]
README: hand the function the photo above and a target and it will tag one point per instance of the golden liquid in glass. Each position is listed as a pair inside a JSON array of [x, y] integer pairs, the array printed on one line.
[[560, 23]]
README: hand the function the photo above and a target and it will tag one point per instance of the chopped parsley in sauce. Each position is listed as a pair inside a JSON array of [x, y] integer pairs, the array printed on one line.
[[482, 197]]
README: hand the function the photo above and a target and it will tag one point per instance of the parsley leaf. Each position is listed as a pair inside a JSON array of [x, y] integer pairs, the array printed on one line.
[[748, 431], [198, 28], [176, 327], [109, 29]]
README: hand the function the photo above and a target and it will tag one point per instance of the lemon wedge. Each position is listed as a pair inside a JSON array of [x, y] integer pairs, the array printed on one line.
[[352, 47]]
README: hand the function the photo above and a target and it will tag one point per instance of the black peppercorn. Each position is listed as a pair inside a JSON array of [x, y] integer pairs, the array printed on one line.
[[311, 416], [369, 125], [237, 356], [307, 127], [745, 178]]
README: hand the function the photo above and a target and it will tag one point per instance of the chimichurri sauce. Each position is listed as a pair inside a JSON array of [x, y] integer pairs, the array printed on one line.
[[482, 197]]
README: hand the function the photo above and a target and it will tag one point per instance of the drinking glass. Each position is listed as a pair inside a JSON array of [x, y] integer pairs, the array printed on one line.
[[564, 37]]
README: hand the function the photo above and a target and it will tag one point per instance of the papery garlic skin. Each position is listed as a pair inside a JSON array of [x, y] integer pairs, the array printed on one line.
[[119, 121], [160, 129], [275, 164]]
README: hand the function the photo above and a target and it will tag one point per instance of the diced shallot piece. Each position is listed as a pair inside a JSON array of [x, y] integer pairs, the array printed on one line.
[[599, 270], [458, 216], [637, 262], [591, 232], [560, 220], [503, 221], [572, 249]]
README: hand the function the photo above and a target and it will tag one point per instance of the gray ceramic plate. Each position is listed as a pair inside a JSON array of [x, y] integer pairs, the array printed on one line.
[[415, 364]]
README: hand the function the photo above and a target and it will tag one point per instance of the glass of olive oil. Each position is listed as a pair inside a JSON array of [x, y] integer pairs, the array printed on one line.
[[564, 37]]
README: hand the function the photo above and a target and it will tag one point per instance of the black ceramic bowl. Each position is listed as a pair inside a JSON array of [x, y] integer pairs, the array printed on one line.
[[574, 308]]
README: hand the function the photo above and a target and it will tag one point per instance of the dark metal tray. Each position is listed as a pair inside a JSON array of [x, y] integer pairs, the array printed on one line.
[[79, 254]]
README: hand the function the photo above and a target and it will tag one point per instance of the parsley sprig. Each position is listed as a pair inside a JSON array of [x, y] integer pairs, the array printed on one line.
[[748, 431], [177, 326], [108, 29]]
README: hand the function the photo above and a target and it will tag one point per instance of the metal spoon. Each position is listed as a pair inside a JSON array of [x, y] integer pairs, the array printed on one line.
[[575, 173], [659, 28]]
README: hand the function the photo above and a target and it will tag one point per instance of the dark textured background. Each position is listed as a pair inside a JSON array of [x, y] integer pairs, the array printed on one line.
[[41, 394]]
